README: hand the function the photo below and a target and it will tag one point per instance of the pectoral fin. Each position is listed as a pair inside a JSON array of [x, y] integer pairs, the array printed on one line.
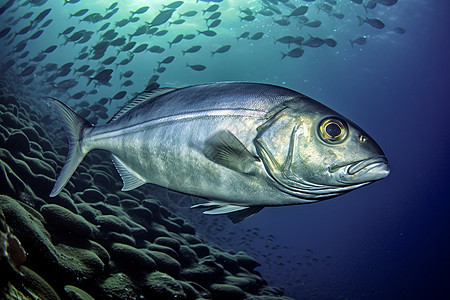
[[225, 149]]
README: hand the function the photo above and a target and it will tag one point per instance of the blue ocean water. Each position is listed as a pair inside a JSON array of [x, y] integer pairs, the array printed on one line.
[[389, 240]]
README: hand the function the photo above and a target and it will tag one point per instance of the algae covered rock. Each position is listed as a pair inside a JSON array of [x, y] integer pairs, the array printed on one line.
[[66, 222], [221, 291], [36, 285], [75, 293], [131, 259], [117, 286], [161, 286], [165, 263]]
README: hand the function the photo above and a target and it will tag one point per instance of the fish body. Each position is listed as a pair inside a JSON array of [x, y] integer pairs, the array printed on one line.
[[243, 146]]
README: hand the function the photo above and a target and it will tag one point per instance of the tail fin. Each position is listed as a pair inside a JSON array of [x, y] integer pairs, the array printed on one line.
[[361, 20], [75, 127]]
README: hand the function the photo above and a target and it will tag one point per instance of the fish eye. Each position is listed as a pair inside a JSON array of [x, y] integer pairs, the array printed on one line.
[[333, 130]]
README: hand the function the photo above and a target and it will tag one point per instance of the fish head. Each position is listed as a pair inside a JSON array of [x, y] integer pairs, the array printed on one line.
[[314, 153]]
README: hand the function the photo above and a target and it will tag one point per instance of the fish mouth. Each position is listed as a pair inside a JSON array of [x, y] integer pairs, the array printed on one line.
[[367, 170], [367, 164]]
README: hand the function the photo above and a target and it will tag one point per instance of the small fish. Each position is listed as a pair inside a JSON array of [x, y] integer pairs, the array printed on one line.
[[173, 5], [243, 35], [207, 32], [70, 1], [247, 18], [297, 52], [214, 23], [166, 60], [387, 2], [118, 96], [162, 17], [109, 60], [65, 84], [141, 10], [298, 11], [359, 41], [128, 47], [257, 36], [5, 32], [127, 74], [210, 9], [140, 48], [104, 26], [79, 13], [282, 22], [78, 96], [178, 22], [102, 77], [67, 31], [41, 16], [190, 13], [193, 49], [177, 39], [36, 34], [29, 70], [313, 24], [127, 83], [156, 49], [376, 23], [196, 67], [313, 42], [161, 32], [222, 49], [399, 30], [330, 42]]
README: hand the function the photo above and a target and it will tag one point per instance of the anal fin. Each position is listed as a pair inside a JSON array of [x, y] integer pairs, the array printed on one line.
[[130, 179]]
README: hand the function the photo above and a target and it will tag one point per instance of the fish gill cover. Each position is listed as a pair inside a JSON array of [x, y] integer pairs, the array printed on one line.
[[95, 56]]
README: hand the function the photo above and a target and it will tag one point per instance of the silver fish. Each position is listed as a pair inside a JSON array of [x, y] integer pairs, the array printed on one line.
[[243, 146]]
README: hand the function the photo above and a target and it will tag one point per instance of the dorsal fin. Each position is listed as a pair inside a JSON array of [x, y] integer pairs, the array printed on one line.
[[139, 99]]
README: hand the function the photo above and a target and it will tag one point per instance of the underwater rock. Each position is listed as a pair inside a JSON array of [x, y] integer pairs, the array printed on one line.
[[169, 242], [203, 273], [128, 203], [165, 263], [66, 222], [118, 286], [228, 261], [201, 249], [87, 211], [79, 263], [188, 257], [114, 237], [161, 286], [17, 142], [109, 223], [29, 229], [37, 286], [246, 261], [92, 195], [160, 248], [127, 258], [141, 215], [75, 293], [64, 200], [221, 291]]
